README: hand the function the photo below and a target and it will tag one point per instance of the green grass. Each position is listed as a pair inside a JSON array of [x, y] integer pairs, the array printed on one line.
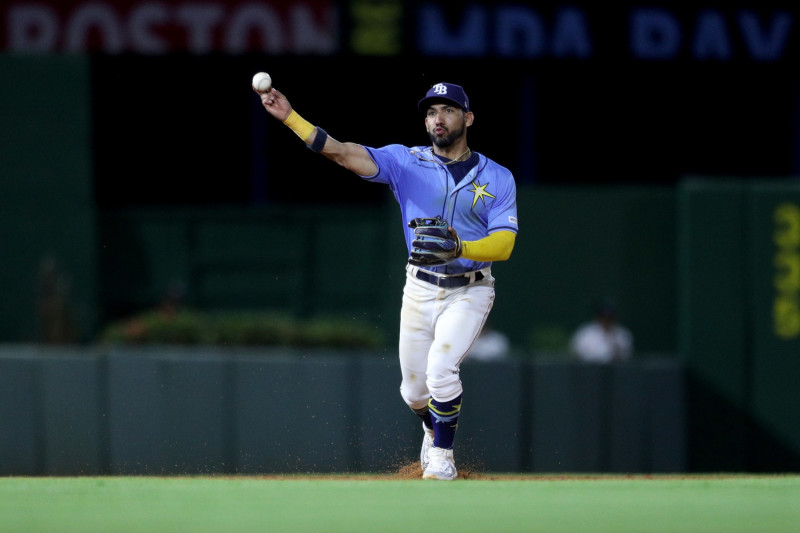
[[485, 504]]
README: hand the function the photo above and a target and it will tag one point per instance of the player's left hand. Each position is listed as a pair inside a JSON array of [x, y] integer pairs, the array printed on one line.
[[436, 242]]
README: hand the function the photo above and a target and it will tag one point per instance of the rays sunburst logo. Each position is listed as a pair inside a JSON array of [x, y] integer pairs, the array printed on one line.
[[479, 193]]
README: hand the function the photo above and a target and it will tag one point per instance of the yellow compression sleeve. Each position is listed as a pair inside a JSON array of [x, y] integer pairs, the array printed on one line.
[[299, 125], [496, 247]]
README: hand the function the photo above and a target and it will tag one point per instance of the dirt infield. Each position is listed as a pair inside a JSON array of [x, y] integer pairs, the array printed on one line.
[[412, 471]]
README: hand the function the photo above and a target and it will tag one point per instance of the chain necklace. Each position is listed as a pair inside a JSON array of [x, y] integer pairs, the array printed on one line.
[[435, 160], [458, 159]]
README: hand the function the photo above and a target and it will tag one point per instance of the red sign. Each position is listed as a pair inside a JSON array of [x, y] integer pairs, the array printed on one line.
[[158, 27]]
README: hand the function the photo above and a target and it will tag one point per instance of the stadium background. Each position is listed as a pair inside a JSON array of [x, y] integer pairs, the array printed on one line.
[[656, 151]]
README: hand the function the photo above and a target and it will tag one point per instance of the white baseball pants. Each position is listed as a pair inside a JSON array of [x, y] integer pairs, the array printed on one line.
[[437, 328]]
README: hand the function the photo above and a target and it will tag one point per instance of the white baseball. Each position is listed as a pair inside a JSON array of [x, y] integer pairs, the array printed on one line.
[[262, 82]]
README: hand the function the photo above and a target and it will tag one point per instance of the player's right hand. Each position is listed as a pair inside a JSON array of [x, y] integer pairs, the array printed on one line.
[[275, 103]]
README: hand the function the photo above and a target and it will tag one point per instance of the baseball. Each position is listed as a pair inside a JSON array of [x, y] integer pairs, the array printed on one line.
[[262, 82]]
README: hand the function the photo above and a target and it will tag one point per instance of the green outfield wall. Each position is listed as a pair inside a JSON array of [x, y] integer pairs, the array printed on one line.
[[166, 410], [575, 245], [47, 214], [739, 312]]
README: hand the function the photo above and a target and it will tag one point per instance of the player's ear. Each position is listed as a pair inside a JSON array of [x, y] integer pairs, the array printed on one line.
[[469, 118]]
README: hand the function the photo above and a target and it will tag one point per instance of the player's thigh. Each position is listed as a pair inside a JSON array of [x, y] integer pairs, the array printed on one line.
[[416, 327], [458, 325]]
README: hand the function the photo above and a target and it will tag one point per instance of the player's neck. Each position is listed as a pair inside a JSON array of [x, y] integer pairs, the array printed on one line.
[[456, 152]]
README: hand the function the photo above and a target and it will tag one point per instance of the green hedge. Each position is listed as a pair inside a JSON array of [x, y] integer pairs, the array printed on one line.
[[247, 329]]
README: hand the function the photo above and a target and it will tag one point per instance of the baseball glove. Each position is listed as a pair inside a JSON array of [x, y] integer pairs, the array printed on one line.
[[434, 244]]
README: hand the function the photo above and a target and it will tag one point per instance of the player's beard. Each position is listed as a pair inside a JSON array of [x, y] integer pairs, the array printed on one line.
[[448, 138]]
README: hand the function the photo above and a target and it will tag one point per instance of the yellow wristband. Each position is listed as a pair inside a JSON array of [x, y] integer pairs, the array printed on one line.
[[299, 125]]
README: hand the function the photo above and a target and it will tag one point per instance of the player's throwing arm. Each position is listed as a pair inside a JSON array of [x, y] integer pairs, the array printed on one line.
[[350, 155]]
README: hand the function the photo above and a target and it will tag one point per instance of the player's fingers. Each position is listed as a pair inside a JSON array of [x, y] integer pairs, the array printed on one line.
[[267, 99], [270, 97]]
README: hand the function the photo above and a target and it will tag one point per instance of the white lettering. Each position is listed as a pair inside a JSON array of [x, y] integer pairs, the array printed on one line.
[[655, 34], [32, 28], [94, 17], [769, 45], [310, 37], [143, 39], [256, 18], [161, 26], [711, 37], [200, 21]]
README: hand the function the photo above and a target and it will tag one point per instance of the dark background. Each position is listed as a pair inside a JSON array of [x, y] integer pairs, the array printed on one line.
[[189, 130]]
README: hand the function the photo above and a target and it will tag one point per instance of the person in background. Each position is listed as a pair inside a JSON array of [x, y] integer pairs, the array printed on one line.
[[491, 345], [603, 340]]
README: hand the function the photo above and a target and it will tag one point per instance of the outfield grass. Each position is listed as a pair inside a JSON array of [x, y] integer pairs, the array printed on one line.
[[378, 504]]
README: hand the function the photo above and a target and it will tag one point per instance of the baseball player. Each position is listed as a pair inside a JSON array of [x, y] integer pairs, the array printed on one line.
[[459, 213]]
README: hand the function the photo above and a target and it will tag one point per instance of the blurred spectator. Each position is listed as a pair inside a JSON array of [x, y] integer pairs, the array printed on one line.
[[173, 299], [55, 312], [603, 340], [490, 345]]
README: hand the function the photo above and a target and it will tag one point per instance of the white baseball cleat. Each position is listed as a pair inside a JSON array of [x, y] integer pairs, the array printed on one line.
[[442, 466], [427, 444]]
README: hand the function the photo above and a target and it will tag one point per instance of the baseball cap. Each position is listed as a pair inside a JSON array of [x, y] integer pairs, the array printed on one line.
[[445, 91]]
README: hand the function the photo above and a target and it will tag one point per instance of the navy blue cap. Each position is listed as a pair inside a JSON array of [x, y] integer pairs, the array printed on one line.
[[445, 91]]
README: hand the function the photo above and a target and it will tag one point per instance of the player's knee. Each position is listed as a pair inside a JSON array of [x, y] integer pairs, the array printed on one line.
[[444, 387], [415, 396]]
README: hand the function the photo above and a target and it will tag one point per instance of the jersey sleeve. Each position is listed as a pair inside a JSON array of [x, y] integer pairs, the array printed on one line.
[[503, 216], [389, 162]]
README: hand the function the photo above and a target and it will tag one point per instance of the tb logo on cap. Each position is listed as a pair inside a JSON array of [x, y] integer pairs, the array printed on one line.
[[440, 88]]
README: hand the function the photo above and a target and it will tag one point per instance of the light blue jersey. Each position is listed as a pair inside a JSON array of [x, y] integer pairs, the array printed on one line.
[[482, 203]]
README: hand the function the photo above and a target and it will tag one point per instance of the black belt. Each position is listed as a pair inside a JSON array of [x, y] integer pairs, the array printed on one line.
[[448, 282]]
